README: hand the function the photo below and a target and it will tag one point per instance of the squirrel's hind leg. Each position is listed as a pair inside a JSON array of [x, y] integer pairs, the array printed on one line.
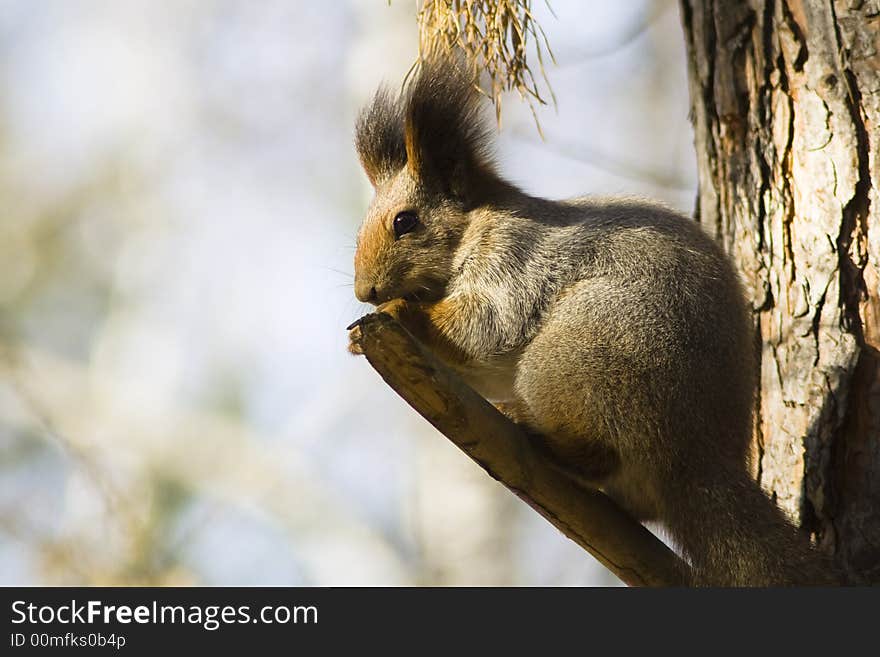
[[587, 462], [578, 398]]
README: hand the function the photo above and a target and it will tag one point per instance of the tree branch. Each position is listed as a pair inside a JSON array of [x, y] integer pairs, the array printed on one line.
[[503, 449]]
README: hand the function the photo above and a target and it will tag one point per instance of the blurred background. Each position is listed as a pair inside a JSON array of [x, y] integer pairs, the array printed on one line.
[[179, 198]]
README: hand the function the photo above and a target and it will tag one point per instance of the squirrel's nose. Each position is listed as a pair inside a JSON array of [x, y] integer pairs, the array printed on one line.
[[365, 292]]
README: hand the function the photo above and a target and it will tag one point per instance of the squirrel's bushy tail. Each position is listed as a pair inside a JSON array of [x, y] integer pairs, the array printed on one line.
[[749, 542]]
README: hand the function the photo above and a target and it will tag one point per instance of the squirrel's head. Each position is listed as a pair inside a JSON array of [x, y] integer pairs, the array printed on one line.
[[425, 155]]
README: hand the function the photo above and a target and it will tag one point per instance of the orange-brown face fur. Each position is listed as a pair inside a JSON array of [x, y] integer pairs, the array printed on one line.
[[425, 153], [417, 265]]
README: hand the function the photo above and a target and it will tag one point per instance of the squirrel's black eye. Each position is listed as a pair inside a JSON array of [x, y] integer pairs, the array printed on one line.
[[404, 223]]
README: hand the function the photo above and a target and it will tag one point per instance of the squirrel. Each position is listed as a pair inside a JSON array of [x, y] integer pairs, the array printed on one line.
[[614, 330]]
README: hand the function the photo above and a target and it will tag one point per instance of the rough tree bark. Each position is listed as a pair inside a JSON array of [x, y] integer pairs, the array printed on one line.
[[786, 107]]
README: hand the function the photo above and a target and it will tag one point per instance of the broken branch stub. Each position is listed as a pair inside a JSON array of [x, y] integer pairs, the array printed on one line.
[[503, 449]]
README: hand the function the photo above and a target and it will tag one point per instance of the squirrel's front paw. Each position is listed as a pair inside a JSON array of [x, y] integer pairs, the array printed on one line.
[[393, 308], [354, 346], [354, 338]]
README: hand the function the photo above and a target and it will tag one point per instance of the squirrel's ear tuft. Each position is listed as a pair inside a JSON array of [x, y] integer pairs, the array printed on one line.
[[379, 137], [446, 135]]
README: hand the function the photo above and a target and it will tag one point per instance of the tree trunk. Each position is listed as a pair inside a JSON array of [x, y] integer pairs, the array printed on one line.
[[786, 108]]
